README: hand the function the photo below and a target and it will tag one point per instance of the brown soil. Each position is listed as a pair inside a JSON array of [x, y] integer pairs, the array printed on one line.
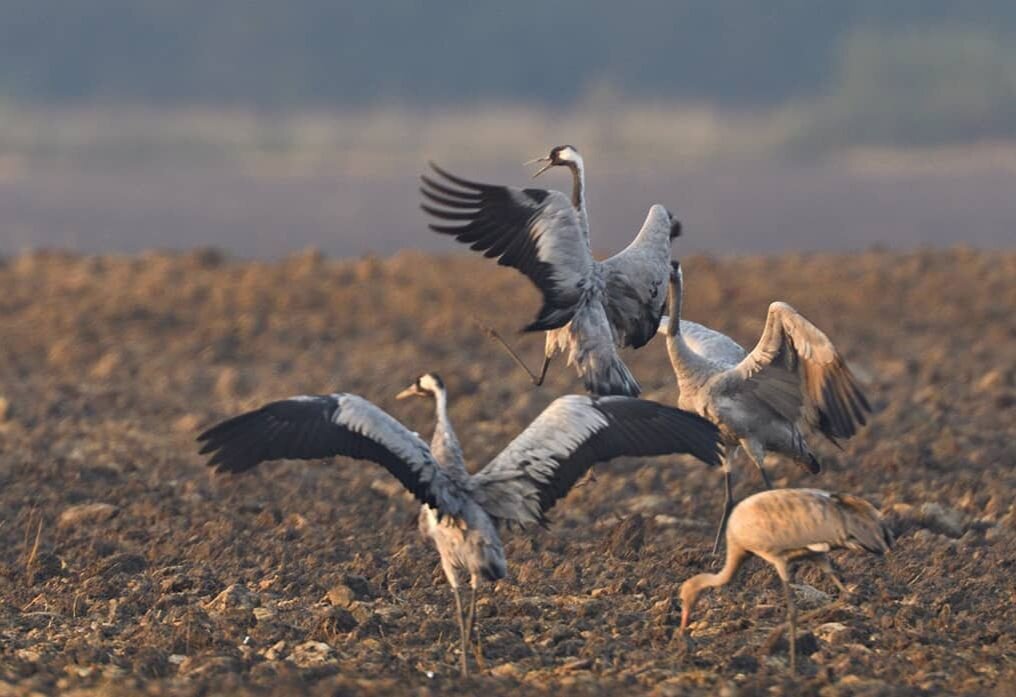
[[312, 575]]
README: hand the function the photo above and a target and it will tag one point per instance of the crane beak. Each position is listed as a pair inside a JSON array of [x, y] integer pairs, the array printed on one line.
[[550, 163], [411, 391]]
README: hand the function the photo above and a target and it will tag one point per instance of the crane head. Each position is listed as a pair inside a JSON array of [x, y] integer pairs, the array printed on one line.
[[560, 156], [675, 226], [427, 385]]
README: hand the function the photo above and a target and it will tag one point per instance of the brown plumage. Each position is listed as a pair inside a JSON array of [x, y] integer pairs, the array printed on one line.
[[783, 526]]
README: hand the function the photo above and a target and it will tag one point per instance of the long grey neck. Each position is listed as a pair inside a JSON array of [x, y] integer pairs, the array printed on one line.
[[579, 195], [578, 185], [445, 444], [686, 362]]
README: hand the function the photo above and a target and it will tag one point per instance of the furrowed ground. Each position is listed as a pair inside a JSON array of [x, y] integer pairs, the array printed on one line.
[[312, 576]]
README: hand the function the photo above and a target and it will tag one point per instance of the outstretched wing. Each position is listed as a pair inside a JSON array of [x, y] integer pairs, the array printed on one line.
[[533, 230], [319, 426], [571, 435], [636, 281], [797, 370]]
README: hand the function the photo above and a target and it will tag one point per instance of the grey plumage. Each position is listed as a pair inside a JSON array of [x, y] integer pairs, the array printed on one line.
[[763, 400], [590, 308], [461, 513]]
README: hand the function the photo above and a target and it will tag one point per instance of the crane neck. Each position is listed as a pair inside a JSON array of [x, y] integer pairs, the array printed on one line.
[[578, 185], [683, 359], [691, 588], [445, 444]]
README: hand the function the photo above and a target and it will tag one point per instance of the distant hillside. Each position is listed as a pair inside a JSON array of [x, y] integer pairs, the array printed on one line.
[[317, 52]]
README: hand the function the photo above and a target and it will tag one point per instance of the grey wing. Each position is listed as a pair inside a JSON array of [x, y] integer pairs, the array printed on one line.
[[711, 344], [594, 353], [575, 432], [636, 289], [797, 370], [535, 231], [319, 426]]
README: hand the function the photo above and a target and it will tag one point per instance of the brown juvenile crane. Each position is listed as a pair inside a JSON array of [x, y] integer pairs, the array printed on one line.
[[762, 401], [783, 526]]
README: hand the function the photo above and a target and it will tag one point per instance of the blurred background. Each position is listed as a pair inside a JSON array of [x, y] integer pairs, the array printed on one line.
[[266, 127]]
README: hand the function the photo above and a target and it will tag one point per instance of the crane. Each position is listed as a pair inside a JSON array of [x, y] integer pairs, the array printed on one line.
[[794, 377], [461, 512], [783, 526], [590, 308]]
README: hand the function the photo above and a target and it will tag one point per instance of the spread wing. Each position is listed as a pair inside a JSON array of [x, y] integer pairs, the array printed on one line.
[[319, 426], [571, 435], [636, 282], [797, 370], [533, 230]]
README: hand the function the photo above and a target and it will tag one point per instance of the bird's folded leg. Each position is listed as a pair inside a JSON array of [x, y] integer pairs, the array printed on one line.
[[728, 506], [493, 334]]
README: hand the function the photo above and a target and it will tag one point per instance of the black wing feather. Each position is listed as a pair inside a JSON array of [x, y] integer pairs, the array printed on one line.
[[308, 428], [637, 428], [498, 221]]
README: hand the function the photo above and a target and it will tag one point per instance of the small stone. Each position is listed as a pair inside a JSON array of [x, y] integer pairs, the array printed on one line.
[[234, 597], [578, 664], [262, 614], [311, 653], [507, 670], [341, 595], [176, 658], [809, 596], [85, 514], [835, 633], [942, 520], [276, 652]]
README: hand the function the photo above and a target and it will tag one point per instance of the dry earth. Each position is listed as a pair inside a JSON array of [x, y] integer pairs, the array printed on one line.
[[125, 566]]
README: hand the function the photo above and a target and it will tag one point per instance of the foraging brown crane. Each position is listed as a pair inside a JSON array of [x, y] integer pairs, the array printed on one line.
[[783, 526], [590, 308], [461, 512], [762, 400]]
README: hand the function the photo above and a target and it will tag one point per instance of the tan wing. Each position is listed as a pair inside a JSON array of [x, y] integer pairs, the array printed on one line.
[[797, 370], [782, 520]]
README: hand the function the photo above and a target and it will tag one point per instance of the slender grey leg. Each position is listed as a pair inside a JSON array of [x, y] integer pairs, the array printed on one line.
[[543, 371], [728, 505], [792, 621], [462, 632], [472, 626], [493, 334], [758, 456]]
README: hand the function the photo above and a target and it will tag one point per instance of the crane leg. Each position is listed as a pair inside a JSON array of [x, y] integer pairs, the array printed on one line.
[[728, 505], [792, 622], [472, 626], [827, 566], [464, 666], [757, 453], [493, 334]]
